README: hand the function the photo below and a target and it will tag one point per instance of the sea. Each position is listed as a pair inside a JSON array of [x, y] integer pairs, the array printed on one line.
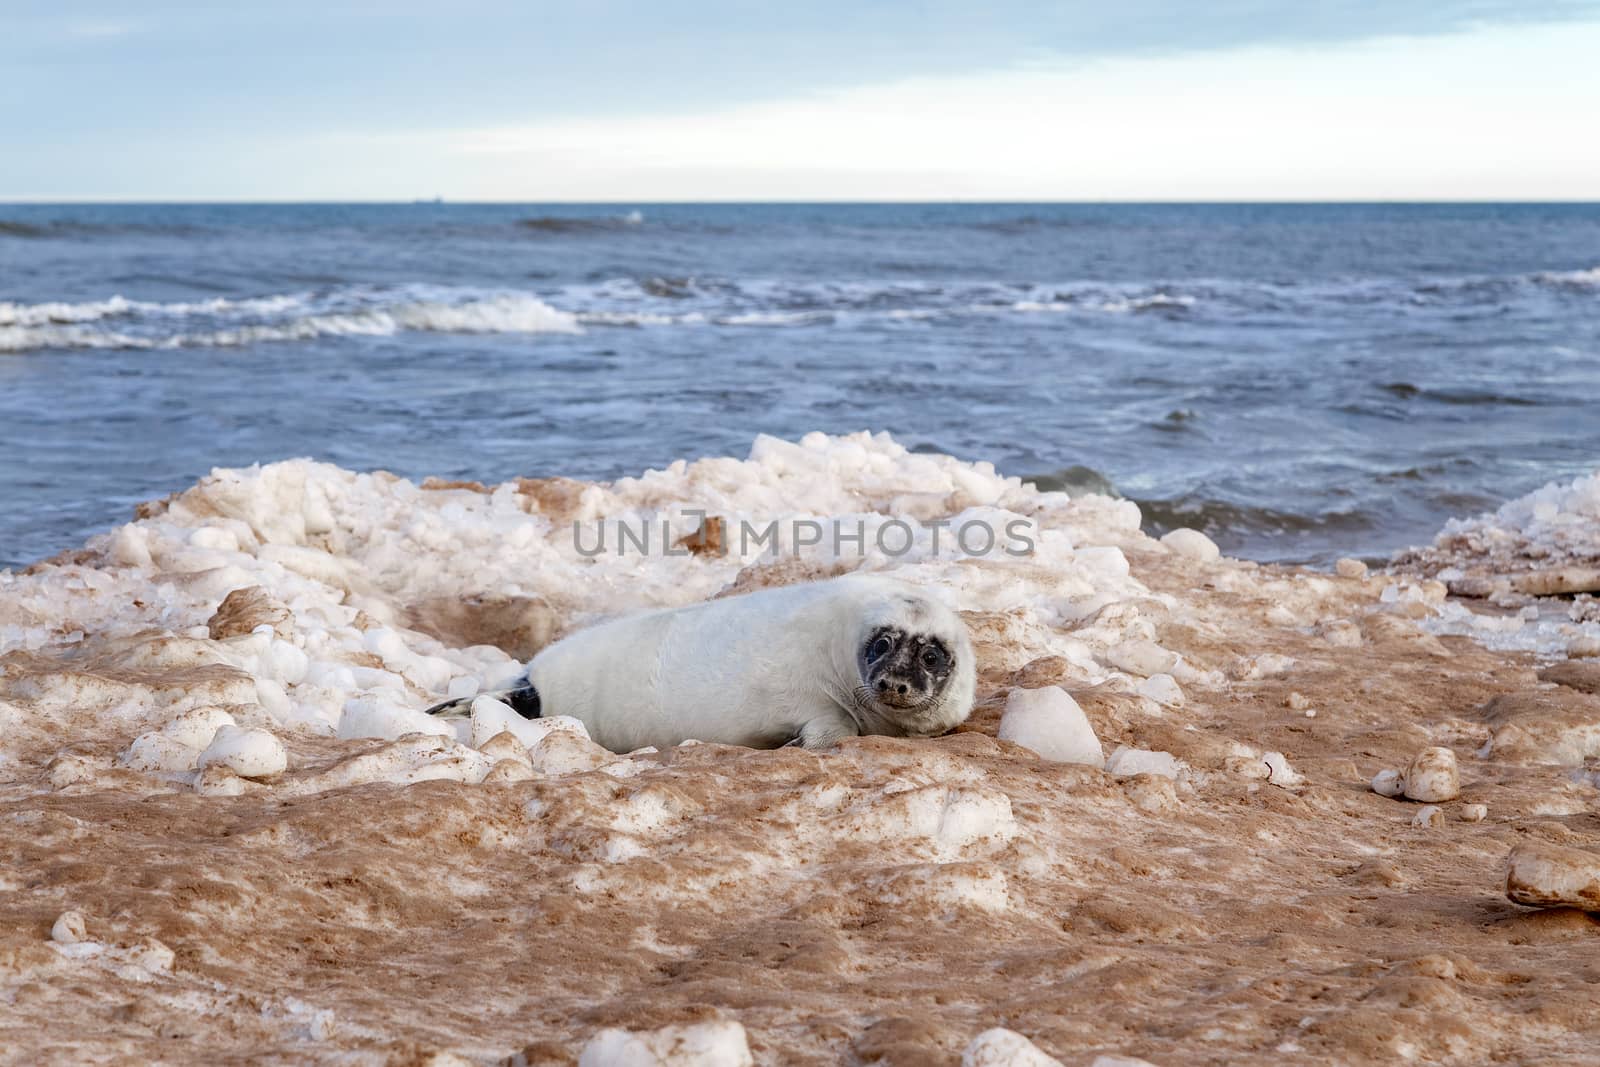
[[1300, 381]]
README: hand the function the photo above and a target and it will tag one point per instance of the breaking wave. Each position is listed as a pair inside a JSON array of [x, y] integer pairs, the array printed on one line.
[[1221, 517], [749, 303], [118, 322]]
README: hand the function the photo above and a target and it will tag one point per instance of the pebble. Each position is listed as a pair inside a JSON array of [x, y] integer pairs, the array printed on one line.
[[1474, 812], [70, 928], [1546, 876], [1049, 722], [1297, 701], [1429, 816], [1192, 544], [249, 753], [1433, 776]]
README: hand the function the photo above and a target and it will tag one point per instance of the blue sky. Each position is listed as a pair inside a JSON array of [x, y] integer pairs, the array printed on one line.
[[616, 99]]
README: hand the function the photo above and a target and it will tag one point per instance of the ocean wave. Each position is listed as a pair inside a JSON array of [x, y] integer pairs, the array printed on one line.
[[226, 323], [777, 302], [57, 313], [693, 300], [9, 228], [1075, 481], [1458, 397], [67, 228], [571, 224], [1217, 517], [1022, 224], [1574, 279]]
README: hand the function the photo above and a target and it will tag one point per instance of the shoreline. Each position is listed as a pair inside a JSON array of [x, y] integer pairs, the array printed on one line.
[[390, 896]]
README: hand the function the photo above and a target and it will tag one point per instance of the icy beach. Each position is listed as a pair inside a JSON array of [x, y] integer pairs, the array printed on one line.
[[1207, 811]]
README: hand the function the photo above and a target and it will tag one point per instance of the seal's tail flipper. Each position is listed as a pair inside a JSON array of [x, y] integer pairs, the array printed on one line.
[[454, 709], [524, 700]]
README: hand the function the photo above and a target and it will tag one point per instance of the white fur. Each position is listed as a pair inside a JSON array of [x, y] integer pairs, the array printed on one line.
[[758, 670]]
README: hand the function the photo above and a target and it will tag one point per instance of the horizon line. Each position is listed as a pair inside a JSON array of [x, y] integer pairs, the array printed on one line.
[[752, 201]]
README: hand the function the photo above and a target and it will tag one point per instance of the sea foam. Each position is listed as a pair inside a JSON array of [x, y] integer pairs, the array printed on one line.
[[118, 322]]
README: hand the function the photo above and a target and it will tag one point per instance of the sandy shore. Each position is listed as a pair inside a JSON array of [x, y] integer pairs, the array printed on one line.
[[394, 897]]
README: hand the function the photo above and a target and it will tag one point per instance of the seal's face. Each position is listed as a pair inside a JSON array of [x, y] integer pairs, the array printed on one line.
[[905, 671], [915, 671]]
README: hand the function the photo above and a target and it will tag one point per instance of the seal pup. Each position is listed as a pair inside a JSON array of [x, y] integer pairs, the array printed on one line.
[[806, 664]]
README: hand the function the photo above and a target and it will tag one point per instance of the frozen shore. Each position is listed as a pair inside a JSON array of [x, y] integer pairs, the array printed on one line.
[[233, 831]]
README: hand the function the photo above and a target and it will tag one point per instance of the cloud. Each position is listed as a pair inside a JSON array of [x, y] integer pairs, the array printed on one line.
[[630, 99], [1481, 114]]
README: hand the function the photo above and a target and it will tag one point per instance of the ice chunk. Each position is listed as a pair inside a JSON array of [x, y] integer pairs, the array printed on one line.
[[157, 753], [1192, 544], [1388, 783], [1005, 1048], [1142, 658], [715, 1044], [1433, 776], [249, 753], [566, 752], [378, 717], [1163, 689], [491, 716], [69, 928], [1280, 773], [1428, 817], [1126, 762], [197, 726], [1544, 875], [1049, 722]]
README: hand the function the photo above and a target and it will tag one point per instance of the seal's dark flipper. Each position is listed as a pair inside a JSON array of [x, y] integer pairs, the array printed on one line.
[[524, 700], [452, 709]]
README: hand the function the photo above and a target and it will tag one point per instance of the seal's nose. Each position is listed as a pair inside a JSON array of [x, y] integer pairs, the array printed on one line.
[[883, 686], [902, 690]]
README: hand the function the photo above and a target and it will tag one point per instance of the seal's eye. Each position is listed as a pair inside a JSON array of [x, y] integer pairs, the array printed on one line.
[[880, 648], [932, 658]]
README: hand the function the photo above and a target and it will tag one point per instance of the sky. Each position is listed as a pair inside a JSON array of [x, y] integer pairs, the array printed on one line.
[[640, 100]]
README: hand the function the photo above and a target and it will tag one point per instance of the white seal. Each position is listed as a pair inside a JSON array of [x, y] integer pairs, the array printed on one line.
[[808, 664]]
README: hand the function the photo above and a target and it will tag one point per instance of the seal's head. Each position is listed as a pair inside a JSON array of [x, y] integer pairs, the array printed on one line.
[[915, 664]]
